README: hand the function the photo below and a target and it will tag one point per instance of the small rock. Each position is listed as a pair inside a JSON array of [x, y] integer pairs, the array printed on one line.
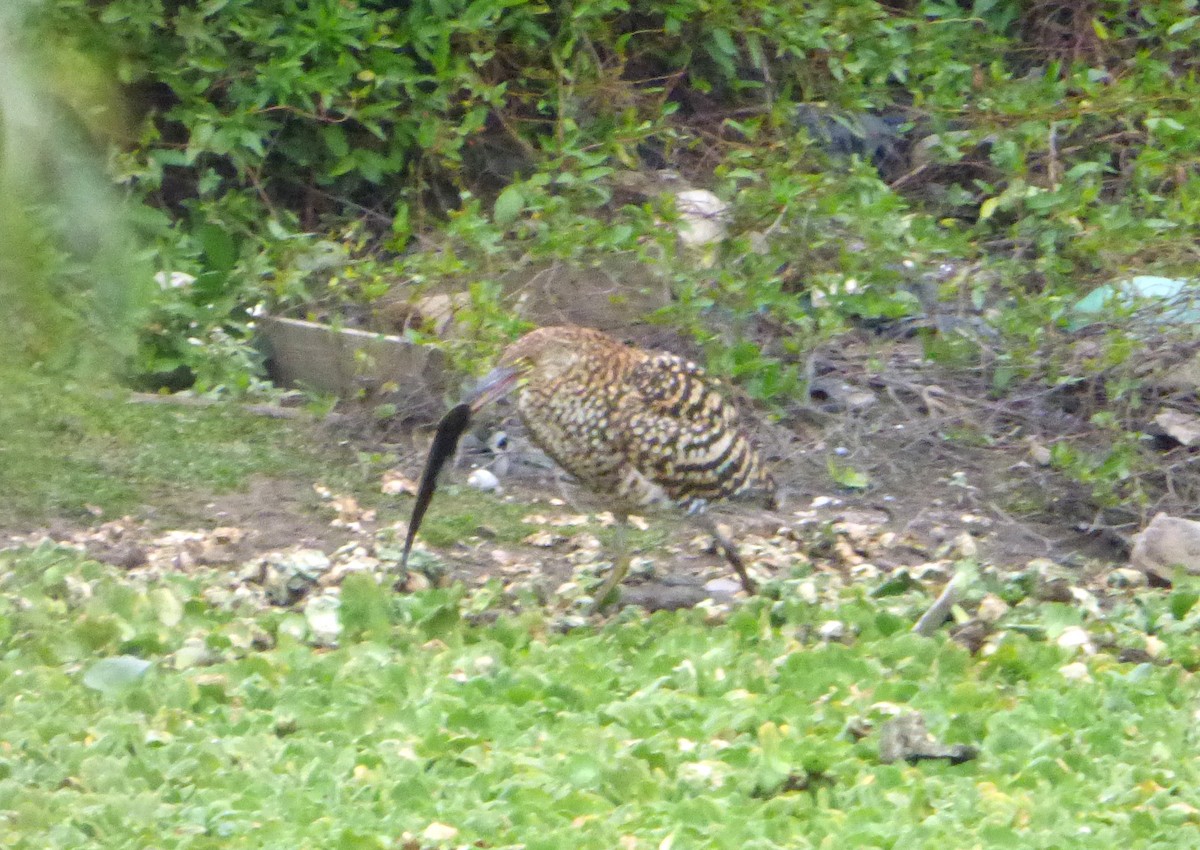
[[991, 608], [569, 622], [1039, 453], [439, 832], [395, 482], [1076, 671], [415, 581], [321, 614], [1167, 543], [642, 568], [482, 479], [708, 773], [932, 571], [832, 631], [1086, 601], [1076, 637], [722, 587], [1134, 655], [1042, 566], [846, 553], [357, 564], [127, 556], [865, 572], [856, 532], [858, 728], [193, 653], [965, 546], [702, 217], [288, 575], [1182, 427], [228, 534], [310, 562], [1053, 590], [543, 539], [1127, 577]]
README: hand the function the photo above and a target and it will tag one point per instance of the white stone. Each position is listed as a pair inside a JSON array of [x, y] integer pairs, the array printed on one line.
[[439, 832], [832, 630], [702, 217], [1076, 637], [1127, 577], [1076, 671], [722, 587], [482, 479], [321, 613]]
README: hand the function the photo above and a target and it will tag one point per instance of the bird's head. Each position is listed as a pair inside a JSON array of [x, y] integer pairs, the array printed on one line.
[[544, 353]]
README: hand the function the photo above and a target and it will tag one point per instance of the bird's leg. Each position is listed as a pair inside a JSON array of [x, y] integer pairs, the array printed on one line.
[[728, 548], [620, 565]]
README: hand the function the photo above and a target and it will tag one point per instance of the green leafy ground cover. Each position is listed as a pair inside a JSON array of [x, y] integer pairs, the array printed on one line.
[[368, 150], [423, 729]]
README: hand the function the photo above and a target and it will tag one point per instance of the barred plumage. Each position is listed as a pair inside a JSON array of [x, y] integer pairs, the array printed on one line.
[[645, 428]]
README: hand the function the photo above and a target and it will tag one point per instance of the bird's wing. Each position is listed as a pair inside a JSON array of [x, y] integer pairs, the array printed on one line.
[[682, 434]]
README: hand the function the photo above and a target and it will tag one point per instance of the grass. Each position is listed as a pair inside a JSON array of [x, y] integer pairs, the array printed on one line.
[[75, 452], [648, 732], [87, 453]]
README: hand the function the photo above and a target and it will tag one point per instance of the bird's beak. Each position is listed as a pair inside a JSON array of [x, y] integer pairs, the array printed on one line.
[[494, 385]]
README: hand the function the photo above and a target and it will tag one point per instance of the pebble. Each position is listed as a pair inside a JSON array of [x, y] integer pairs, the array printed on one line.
[[932, 571], [722, 587], [1127, 577], [1076, 637], [832, 630], [482, 479], [321, 613], [1076, 671], [991, 608]]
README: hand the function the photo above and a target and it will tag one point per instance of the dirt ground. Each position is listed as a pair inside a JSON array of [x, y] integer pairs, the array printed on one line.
[[937, 486]]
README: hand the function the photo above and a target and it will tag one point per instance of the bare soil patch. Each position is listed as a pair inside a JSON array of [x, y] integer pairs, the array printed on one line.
[[947, 473]]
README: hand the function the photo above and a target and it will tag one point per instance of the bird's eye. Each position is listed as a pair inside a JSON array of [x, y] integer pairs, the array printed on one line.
[[498, 441]]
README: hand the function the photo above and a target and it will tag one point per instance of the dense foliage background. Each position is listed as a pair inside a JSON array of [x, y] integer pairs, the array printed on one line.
[[885, 163]]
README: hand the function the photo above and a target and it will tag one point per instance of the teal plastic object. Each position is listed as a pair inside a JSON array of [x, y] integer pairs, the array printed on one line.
[[1174, 300]]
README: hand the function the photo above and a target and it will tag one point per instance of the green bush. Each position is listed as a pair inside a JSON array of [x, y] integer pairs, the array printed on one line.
[[312, 156]]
